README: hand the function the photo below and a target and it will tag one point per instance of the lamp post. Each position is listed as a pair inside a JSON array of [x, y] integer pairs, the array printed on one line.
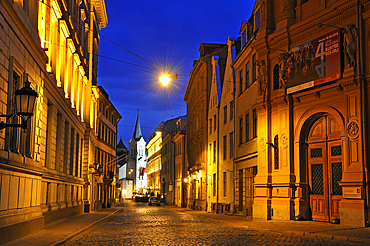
[[25, 99]]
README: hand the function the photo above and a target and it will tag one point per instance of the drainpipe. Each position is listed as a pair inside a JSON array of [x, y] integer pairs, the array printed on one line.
[[363, 106], [218, 155]]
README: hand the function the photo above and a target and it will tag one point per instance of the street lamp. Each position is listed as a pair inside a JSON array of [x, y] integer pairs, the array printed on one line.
[[25, 99], [165, 79]]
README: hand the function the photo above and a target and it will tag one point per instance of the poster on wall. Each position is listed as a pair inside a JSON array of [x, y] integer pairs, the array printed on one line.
[[314, 63]]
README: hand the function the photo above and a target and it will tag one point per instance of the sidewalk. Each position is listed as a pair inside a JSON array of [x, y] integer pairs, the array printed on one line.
[[58, 232], [302, 228]]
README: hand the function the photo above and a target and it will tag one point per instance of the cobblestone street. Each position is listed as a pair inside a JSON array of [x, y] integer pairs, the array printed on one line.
[[139, 224]]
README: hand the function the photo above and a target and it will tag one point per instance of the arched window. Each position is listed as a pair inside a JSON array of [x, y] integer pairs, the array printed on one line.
[[276, 151], [276, 77]]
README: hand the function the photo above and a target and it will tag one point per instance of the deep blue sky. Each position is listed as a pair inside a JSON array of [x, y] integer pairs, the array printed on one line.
[[168, 34]]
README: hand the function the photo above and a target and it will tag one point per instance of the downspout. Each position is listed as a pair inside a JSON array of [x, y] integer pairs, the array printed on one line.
[[218, 155], [363, 106]]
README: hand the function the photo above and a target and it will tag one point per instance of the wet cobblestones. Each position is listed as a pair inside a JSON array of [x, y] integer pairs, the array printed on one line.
[[140, 224]]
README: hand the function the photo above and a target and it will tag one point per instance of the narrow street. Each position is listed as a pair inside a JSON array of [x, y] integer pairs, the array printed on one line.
[[140, 224]]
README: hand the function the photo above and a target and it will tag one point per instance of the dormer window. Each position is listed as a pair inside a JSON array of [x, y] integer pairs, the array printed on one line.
[[244, 37], [257, 20]]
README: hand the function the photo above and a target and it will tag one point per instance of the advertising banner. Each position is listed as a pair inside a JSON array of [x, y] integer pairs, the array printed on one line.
[[314, 63]]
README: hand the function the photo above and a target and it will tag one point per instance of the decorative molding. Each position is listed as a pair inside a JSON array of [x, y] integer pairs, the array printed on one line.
[[353, 129]]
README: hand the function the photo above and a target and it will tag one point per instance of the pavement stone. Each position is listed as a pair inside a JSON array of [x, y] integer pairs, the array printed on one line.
[[303, 228], [59, 232]]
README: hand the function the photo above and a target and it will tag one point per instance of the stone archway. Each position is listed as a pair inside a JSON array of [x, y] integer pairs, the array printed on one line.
[[319, 141]]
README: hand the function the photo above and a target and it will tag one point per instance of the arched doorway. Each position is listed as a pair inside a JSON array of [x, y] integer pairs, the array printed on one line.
[[324, 168]]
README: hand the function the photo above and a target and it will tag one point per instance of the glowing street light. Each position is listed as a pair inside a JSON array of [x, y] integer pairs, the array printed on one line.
[[165, 79]]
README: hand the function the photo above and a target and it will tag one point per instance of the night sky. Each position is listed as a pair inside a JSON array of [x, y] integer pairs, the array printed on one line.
[[167, 34]]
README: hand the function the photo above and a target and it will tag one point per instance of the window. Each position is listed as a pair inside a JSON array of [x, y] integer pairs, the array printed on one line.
[[225, 114], [276, 77], [210, 125], [254, 123], [231, 110], [254, 68], [225, 182], [71, 151], [257, 20], [214, 151], [210, 153], [65, 157], [225, 147], [241, 81], [247, 76], [241, 131], [276, 151], [231, 140], [214, 184], [247, 127], [77, 154], [244, 37], [214, 123], [49, 134]]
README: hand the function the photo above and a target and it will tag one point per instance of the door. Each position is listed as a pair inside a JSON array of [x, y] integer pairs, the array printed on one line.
[[249, 189], [325, 168]]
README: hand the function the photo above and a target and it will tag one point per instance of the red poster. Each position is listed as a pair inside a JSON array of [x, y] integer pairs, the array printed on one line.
[[314, 63]]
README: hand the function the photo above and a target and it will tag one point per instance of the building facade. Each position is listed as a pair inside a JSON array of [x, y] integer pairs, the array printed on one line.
[[104, 185], [44, 170], [197, 98], [221, 134], [167, 172], [181, 163], [246, 91], [312, 111]]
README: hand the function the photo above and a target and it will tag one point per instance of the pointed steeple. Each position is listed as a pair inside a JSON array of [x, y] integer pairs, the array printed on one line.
[[137, 132]]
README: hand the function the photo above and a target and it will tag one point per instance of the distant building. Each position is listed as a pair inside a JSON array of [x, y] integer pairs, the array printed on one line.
[[124, 189], [220, 168], [197, 97], [104, 184], [181, 163], [136, 161]]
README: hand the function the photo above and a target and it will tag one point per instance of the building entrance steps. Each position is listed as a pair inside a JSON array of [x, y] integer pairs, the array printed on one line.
[[302, 228]]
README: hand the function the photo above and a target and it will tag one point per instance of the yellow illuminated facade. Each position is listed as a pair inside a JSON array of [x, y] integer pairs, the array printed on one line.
[[53, 161]]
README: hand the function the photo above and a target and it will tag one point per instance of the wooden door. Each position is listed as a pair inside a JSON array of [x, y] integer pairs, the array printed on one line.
[[325, 169]]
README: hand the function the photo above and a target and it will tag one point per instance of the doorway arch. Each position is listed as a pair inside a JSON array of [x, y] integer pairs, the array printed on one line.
[[320, 138]]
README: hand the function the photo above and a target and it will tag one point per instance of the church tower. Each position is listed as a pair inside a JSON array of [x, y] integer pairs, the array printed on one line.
[[136, 163]]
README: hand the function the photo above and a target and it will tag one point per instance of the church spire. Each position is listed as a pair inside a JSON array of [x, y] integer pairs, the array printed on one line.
[[137, 132]]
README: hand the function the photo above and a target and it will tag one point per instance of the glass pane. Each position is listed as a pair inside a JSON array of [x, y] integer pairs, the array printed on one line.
[[336, 150], [317, 179], [315, 153], [337, 176]]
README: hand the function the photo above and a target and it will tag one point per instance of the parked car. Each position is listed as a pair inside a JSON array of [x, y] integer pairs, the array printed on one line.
[[154, 200]]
